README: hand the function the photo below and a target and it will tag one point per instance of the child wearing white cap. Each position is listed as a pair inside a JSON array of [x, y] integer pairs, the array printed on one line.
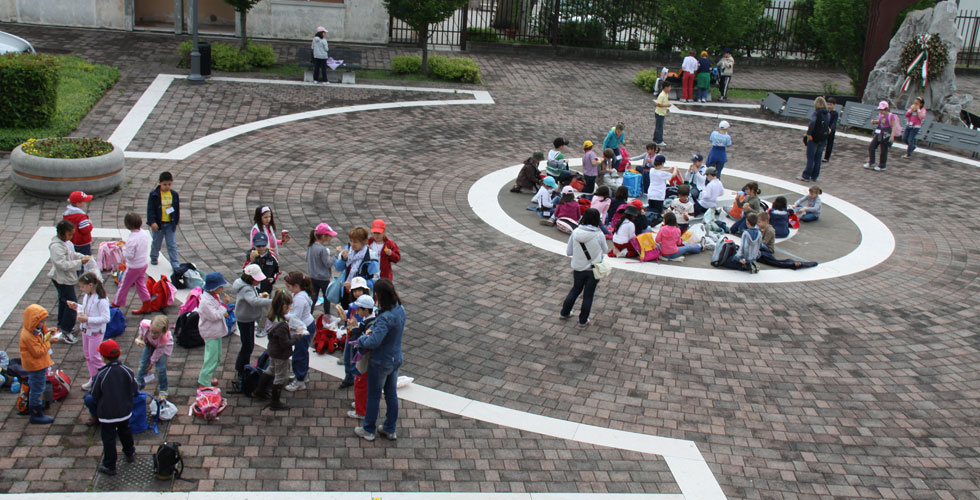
[[720, 141]]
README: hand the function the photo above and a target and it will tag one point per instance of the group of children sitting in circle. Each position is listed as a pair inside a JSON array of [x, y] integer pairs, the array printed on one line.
[[677, 199]]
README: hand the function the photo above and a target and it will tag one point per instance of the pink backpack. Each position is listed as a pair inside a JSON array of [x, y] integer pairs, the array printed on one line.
[[209, 404], [193, 300], [109, 256]]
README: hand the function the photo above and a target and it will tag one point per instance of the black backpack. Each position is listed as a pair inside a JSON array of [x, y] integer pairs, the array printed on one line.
[[724, 251], [186, 333], [167, 462], [177, 277], [250, 380], [821, 128]]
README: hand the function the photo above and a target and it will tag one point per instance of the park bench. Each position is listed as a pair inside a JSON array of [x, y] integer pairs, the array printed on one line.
[[352, 61], [954, 136], [773, 103], [304, 59], [797, 107], [858, 115]]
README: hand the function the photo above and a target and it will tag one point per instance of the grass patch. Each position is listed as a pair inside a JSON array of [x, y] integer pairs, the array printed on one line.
[[81, 85]]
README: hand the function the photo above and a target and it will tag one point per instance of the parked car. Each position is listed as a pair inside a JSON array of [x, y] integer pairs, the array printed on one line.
[[14, 43]]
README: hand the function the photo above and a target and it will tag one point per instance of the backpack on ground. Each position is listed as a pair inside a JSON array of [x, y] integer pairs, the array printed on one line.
[[186, 333], [634, 183], [325, 339], [723, 251], [161, 292], [566, 224], [137, 419], [167, 462], [23, 401], [209, 404], [60, 384], [645, 244], [186, 276], [250, 380], [116, 325]]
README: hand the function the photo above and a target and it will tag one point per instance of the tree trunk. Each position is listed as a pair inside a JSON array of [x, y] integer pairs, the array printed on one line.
[[424, 41], [242, 15]]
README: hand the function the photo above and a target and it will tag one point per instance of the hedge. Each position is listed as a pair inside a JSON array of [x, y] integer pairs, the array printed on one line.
[[460, 69], [406, 64], [474, 34], [80, 86], [230, 57], [646, 79], [29, 86]]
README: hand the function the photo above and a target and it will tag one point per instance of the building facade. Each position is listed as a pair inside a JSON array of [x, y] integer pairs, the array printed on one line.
[[356, 21]]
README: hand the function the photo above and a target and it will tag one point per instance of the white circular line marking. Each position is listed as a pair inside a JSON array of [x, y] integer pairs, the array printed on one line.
[[877, 241]]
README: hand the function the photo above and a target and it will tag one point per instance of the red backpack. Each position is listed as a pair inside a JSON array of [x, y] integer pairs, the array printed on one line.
[[209, 404], [161, 292], [325, 340], [60, 384]]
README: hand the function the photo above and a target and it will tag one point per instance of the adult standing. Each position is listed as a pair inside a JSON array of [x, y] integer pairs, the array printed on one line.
[[688, 68], [816, 139], [704, 77], [660, 114], [320, 48], [727, 68], [886, 129], [586, 247], [384, 341]]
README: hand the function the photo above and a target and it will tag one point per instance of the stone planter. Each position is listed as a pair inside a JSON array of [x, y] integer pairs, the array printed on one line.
[[58, 177]]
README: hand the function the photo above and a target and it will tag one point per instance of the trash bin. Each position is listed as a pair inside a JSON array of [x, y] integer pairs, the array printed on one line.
[[205, 49]]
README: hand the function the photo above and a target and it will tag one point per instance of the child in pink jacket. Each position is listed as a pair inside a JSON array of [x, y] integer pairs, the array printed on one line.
[[669, 240], [136, 254], [211, 314], [158, 344]]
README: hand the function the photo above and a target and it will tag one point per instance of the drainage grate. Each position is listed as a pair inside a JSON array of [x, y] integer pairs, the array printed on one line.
[[136, 476]]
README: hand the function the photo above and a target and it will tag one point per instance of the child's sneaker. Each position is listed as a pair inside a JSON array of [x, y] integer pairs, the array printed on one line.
[[878, 169], [363, 433], [353, 414], [546, 222], [87, 385], [869, 165], [753, 268], [675, 259], [163, 395], [69, 337], [296, 385]]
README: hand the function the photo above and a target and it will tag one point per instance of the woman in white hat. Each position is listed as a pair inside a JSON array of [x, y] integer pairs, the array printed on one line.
[[320, 55]]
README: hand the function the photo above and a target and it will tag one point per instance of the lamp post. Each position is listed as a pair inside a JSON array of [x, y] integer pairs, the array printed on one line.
[[195, 76]]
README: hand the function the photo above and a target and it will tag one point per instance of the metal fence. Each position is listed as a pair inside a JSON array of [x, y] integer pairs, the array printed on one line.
[[783, 30]]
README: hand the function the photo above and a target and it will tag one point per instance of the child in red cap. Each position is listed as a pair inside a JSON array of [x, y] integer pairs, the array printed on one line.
[[111, 403], [385, 248], [75, 213]]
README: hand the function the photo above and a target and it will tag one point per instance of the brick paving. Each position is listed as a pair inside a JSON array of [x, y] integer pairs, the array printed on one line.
[[859, 387]]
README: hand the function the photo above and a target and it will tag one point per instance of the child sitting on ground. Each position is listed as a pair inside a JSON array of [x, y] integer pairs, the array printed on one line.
[[747, 205], [779, 217], [682, 207], [769, 247], [695, 176], [625, 231], [669, 241], [748, 253], [646, 163], [808, 207], [529, 177], [567, 207], [360, 321], [556, 158], [158, 344], [620, 197], [543, 198], [111, 402], [601, 201]]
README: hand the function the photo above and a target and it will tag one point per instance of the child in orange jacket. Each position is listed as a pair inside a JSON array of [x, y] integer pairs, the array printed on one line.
[[35, 357]]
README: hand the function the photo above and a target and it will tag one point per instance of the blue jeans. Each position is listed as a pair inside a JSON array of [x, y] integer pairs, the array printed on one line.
[[301, 354], [382, 377], [167, 230], [908, 137], [348, 362], [684, 250], [658, 132], [582, 281], [36, 381], [814, 153], [161, 366], [808, 217], [246, 330], [719, 166], [66, 315]]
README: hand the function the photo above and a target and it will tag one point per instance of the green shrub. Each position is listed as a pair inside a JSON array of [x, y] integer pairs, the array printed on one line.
[[29, 86], [229, 57], [80, 86], [481, 35], [407, 64], [591, 33], [646, 79], [261, 56], [462, 69], [66, 147]]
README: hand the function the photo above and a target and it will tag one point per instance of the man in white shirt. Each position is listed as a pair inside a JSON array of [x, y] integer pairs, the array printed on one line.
[[689, 69], [709, 196]]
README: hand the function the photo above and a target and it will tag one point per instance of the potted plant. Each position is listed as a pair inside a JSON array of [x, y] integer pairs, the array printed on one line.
[[53, 168]]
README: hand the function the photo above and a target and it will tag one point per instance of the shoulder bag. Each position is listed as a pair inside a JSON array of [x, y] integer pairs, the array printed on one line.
[[600, 269]]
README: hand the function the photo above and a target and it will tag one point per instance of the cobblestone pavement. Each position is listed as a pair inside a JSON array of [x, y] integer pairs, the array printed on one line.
[[859, 387]]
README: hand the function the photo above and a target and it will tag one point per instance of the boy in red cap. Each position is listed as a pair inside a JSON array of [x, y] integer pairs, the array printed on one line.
[[385, 248], [111, 403], [75, 213]]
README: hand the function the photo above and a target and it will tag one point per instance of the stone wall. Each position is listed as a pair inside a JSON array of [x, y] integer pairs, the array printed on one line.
[[885, 80], [82, 13]]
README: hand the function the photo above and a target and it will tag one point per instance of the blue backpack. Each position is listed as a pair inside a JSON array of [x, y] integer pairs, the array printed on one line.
[[116, 325], [137, 419]]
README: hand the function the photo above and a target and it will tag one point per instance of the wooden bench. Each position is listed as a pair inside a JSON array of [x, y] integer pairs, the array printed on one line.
[[345, 72], [304, 59]]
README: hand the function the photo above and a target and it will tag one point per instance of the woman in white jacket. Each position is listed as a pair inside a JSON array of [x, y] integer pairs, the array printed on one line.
[[320, 55], [586, 246]]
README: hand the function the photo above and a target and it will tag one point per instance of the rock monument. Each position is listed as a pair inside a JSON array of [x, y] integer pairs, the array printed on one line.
[[886, 79]]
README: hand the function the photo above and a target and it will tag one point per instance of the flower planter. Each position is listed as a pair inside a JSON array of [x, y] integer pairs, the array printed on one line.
[[58, 177]]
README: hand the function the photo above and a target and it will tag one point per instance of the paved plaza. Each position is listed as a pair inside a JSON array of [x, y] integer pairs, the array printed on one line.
[[859, 385]]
